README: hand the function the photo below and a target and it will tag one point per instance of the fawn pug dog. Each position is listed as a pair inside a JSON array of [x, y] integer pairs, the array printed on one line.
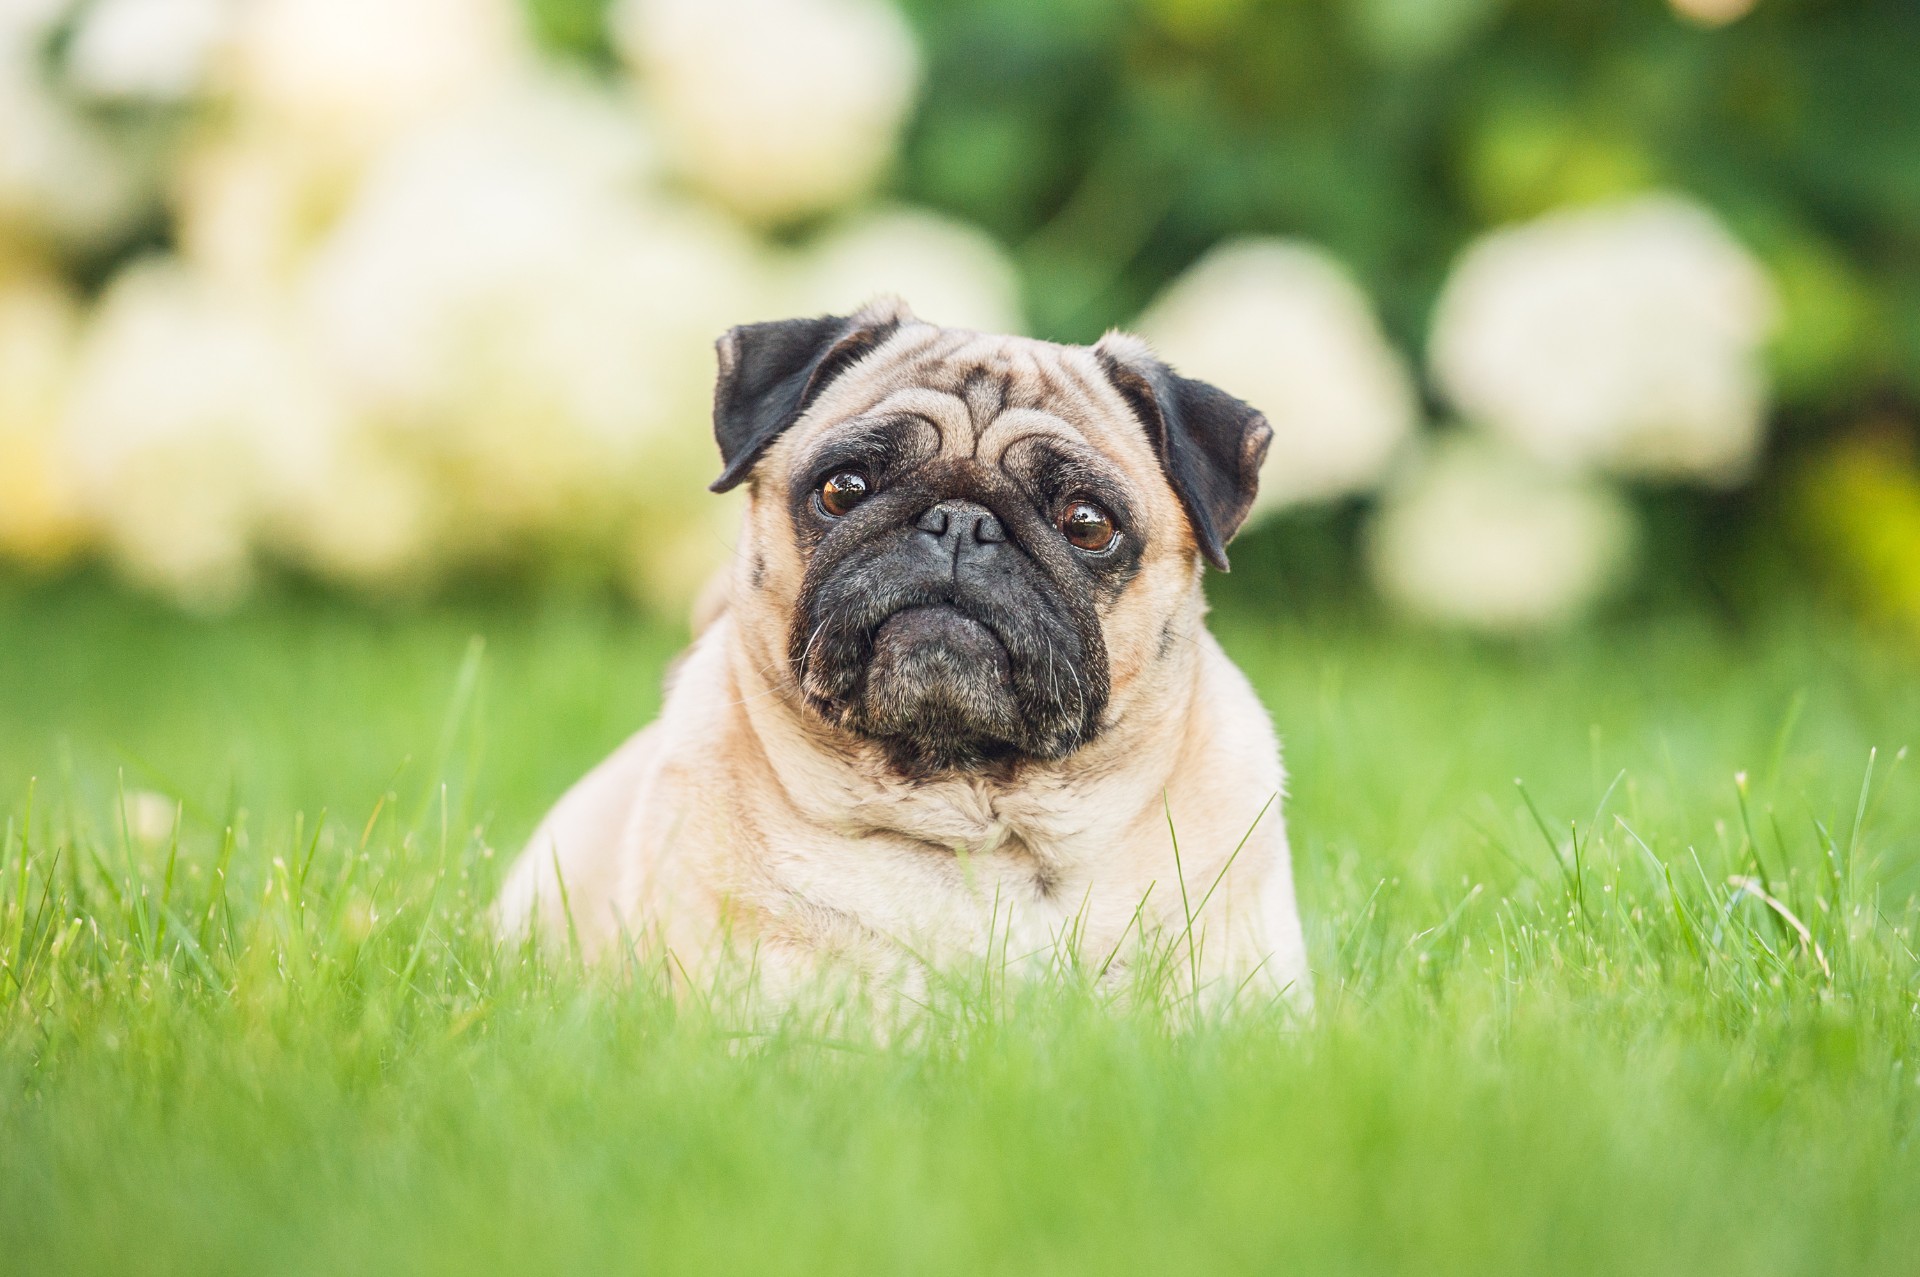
[[955, 693]]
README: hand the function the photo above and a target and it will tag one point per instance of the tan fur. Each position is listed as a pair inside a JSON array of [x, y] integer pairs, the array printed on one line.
[[740, 817]]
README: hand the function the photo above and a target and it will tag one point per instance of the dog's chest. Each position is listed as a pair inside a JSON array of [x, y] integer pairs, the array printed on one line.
[[950, 866], [978, 817], [932, 899]]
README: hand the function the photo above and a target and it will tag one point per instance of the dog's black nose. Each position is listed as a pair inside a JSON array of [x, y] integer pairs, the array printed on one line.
[[957, 525]]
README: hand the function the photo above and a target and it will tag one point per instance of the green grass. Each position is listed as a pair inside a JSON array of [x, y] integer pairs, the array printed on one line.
[[1567, 1044]]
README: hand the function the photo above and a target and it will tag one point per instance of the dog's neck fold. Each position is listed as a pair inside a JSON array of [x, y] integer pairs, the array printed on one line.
[[1062, 811]]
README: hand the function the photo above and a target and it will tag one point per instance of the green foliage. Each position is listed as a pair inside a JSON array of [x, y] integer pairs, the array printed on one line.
[[1635, 1014], [1112, 143], [577, 28]]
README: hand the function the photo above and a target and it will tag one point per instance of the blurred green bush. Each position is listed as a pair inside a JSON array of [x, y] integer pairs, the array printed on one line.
[[1113, 143]]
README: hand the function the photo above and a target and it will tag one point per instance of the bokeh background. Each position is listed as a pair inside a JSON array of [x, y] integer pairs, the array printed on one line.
[[1556, 307]]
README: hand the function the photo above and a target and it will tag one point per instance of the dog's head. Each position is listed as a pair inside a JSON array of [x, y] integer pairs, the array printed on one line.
[[963, 544]]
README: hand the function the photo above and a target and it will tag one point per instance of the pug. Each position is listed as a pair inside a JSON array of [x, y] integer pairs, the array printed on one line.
[[954, 697]]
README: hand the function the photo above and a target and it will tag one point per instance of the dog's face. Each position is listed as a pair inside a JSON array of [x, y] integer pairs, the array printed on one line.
[[961, 545]]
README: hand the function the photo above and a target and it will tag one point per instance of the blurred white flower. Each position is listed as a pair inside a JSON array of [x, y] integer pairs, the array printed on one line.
[[346, 75], [455, 230], [1712, 13], [32, 16], [191, 419], [39, 516], [503, 287], [248, 207], [148, 50], [946, 271], [1480, 537], [358, 512], [779, 108], [676, 547], [1626, 336], [62, 178], [1283, 326], [149, 816]]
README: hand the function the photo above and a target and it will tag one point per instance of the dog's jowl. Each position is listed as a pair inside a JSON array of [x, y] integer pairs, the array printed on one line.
[[956, 684]]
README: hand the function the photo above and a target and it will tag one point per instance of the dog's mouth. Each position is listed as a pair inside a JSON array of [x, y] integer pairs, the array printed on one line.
[[937, 629], [939, 687]]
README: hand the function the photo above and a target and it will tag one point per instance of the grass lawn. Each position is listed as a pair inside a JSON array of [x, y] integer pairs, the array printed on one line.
[[1557, 1044]]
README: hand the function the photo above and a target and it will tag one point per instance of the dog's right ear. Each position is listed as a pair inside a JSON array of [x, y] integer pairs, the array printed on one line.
[[771, 373]]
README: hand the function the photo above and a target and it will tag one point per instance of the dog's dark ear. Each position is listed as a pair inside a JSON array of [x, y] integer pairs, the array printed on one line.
[[1210, 444], [770, 373]]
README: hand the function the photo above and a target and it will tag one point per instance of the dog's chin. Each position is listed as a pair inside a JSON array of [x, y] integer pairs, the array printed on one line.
[[938, 692]]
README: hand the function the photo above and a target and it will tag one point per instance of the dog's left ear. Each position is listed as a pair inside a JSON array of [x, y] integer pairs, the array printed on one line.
[[1210, 444], [770, 373]]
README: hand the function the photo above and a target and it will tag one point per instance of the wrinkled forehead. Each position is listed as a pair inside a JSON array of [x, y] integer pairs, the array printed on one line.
[[979, 397]]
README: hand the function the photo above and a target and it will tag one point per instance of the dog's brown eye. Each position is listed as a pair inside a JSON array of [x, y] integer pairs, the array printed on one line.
[[843, 492], [1087, 526]]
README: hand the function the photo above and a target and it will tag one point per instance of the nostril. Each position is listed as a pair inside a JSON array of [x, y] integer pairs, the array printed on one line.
[[958, 523]]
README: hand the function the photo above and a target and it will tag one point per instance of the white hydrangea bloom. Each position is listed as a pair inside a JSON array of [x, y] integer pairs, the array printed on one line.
[[40, 520], [671, 559], [1712, 13], [62, 179], [1483, 538], [1283, 326], [346, 75], [249, 207], [502, 288], [1625, 336], [360, 511], [779, 108], [458, 229], [946, 271], [148, 50], [192, 420]]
